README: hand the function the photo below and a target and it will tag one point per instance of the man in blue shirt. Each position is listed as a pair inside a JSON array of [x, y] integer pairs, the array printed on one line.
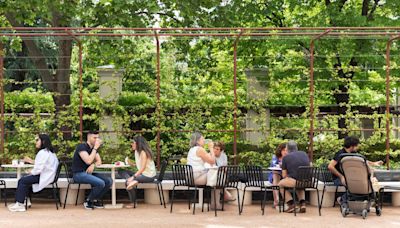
[[290, 166]]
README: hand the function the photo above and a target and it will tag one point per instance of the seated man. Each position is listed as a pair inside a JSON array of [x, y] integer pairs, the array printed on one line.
[[290, 165], [350, 146], [86, 157]]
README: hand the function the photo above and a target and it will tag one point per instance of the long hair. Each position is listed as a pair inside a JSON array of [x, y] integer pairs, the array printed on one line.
[[45, 142], [278, 151], [143, 145], [195, 138]]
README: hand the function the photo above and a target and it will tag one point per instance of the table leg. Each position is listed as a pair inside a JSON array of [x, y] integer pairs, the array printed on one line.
[[114, 204]]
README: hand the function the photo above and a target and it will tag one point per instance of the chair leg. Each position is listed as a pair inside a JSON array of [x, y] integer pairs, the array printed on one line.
[[194, 200], [215, 201], [223, 201], [162, 194], [264, 201], [55, 196], [244, 193], [159, 194], [334, 198], [66, 195], [237, 191], [323, 193], [172, 199], [319, 203], [294, 201], [189, 198], [135, 200], [202, 204], [77, 195]]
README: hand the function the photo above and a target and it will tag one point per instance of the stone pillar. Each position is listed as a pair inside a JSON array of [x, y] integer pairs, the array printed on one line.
[[110, 87], [259, 91]]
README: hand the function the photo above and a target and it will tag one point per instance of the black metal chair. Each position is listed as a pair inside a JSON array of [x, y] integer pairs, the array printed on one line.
[[254, 178], [68, 172], [158, 182], [54, 185], [3, 183], [183, 176], [326, 176], [227, 177], [307, 177]]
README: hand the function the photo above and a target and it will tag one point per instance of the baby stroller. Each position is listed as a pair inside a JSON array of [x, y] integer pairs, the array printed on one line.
[[360, 194]]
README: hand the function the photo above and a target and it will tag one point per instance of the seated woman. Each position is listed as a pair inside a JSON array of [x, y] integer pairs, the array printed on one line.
[[222, 160], [146, 169], [42, 174], [275, 176]]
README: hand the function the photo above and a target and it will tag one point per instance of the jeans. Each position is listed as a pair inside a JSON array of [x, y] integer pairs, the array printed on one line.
[[24, 186], [343, 198], [141, 179], [100, 184]]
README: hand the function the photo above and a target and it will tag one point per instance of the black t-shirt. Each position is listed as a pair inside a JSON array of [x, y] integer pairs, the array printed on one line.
[[78, 165], [337, 158], [293, 161]]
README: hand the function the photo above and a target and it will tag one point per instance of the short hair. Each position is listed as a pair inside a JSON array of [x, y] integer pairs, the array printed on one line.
[[93, 132], [278, 150], [220, 144], [350, 141], [292, 146], [195, 137]]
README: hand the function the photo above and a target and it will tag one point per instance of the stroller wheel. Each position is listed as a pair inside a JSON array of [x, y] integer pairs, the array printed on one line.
[[364, 213], [378, 211]]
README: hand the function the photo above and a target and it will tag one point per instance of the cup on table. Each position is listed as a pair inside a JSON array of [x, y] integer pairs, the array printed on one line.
[[21, 162], [14, 162]]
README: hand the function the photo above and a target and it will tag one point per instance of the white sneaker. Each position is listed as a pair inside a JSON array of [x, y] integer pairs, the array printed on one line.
[[17, 207]]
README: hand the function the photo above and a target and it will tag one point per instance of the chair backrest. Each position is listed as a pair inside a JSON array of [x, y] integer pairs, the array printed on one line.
[[58, 171], [254, 176], [68, 170], [182, 175], [325, 175], [307, 177], [164, 165], [228, 176]]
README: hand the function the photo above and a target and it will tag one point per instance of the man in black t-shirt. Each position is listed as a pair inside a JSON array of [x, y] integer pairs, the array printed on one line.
[[290, 166], [86, 157], [350, 145]]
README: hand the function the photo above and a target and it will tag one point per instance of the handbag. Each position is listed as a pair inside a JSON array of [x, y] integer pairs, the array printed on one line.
[[212, 175]]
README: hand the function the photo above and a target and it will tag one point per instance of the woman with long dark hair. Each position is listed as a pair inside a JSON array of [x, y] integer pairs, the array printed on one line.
[[146, 169], [42, 174]]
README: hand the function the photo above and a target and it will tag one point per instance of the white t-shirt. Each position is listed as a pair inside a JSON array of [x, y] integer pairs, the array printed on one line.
[[195, 161]]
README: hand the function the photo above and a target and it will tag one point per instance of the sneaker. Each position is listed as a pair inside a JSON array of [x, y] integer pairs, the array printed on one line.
[[290, 208], [17, 207], [98, 204], [302, 206], [131, 185], [88, 205]]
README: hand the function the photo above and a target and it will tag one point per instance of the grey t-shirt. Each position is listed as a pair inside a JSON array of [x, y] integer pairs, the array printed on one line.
[[293, 161], [222, 159]]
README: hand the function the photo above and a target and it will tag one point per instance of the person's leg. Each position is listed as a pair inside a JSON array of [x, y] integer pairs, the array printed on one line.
[[132, 191], [24, 185], [287, 182], [200, 178], [107, 184], [275, 181], [125, 173], [97, 184]]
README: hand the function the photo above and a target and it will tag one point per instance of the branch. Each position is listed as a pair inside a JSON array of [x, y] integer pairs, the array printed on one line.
[[370, 15], [341, 4], [364, 10], [33, 50], [327, 2]]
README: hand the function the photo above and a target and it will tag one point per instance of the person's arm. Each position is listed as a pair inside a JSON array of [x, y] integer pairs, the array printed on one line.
[[284, 168], [335, 172], [206, 157], [143, 161], [377, 163], [89, 159], [28, 160], [98, 160], [284, 173], [40, 161]]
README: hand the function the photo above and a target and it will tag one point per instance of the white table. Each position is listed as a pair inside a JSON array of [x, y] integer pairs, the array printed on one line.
[[113, 204], [275, 168], [19, 167]]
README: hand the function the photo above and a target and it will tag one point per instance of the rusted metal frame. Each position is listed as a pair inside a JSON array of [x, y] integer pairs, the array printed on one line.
[[235, 96], [80, 85], [158, 105], [312, 89], [2, 100], [388, 44]]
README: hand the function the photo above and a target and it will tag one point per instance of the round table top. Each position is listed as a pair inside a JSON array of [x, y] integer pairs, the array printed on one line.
[[110, 166], [275, 168], [17, 166]]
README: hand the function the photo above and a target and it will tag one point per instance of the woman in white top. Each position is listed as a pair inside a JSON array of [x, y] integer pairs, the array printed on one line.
[[146, 169], [198, 156], [42, 174]]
